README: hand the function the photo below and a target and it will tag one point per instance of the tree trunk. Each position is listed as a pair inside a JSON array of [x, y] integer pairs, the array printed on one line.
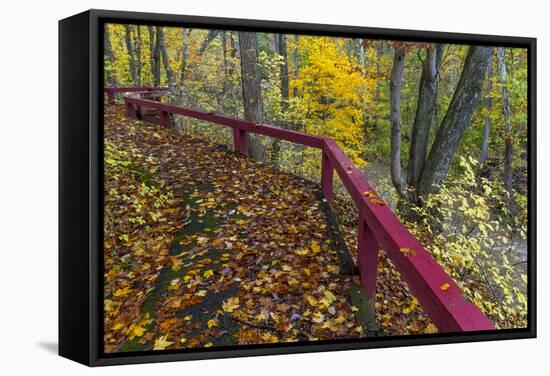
[[284, 70], [165, 60], [395, 118], [152, 62], [296, 66], [131, 53], [427, 96], [155, 55], [465, 100], [109, 56], [508, 137], [252, 95], [488, 106], [139, 64], [180, 89]]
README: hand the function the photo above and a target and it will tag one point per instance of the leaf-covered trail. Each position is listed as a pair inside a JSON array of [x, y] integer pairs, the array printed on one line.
[[204, 247]]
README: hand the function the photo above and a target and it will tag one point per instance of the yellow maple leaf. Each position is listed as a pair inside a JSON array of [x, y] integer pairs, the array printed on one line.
[[431, 328], [208, 274], [407, 251], [444, 287], [301, 252], [212, 323], [122, 292], [315, 247], [118, 325], [230, 304], [161, 343], [329, 295], [136, 331]]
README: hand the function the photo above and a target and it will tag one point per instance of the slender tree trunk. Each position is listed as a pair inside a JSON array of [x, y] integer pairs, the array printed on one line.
[[165, 59], [131, 53], [110, 58], [508, 137], [283, 70], [252, 95], [296, 66], [488, 106], [427, 96], [465, 100], [139, 63], [155, 53], [180, 89], [395, 118], [152, 62]]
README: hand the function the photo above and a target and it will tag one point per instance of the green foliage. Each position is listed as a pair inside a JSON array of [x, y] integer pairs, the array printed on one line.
[[475, 244]]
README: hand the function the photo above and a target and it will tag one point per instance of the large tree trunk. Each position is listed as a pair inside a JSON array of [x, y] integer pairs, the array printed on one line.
[[395, 118], [131, 53], [508, 136], [165, 60], [488, 106], [427, 96], [465, 100], [252, 94], [109, 56]]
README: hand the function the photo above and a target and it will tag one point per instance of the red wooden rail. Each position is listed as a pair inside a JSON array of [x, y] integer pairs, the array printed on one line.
[[438, 294]]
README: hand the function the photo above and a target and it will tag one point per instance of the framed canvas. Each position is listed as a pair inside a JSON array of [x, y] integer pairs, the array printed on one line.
[[235, 187]]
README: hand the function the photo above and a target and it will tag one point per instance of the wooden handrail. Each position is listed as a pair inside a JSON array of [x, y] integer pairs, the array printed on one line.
[[438, 294]]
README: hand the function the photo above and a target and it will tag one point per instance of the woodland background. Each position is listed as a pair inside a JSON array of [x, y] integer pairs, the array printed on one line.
[[439, 130]]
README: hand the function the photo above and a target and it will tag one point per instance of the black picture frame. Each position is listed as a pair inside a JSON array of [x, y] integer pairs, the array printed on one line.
[[81, 185]]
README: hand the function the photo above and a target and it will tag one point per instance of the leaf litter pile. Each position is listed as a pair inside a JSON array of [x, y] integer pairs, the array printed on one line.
[[204, 247]]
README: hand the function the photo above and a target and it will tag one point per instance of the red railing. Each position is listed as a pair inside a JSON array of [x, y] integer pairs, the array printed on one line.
[[436, 291]]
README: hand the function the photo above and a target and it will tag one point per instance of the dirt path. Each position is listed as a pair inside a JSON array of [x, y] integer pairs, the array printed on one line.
[[227, 251]]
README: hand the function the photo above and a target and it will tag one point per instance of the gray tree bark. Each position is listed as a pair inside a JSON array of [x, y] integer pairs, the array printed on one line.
[[395, 119], [131, 53], [283, 70], [137, 44], [488, 106], [171, 77], [427, 97], [296, 66], [508, 135], [109, 56], [252, 94], [155, 56], [152, 61], [466, 98]]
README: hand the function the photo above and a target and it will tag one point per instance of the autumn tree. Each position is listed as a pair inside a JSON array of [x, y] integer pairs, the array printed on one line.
[[428, 172], [252, 93]]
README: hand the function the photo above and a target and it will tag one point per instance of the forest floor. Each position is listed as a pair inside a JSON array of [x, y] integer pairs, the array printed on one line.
[[204, 247]]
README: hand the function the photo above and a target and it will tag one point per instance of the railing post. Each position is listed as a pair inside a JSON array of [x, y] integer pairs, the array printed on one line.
[[130, 110], [139, 114], [367, 258], [327, 173], [110, 97], [240, 141], [165, 119]]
